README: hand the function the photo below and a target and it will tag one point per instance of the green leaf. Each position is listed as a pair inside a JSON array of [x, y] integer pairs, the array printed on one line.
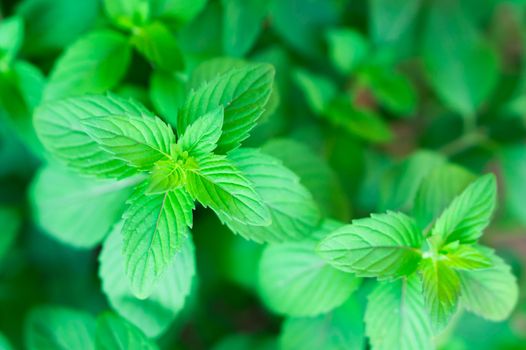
[[58, 328], [51, 25], [314, 173], [182, 11], [159, 46], [467, 257], [242, 24], [294, 281], [396, 317], [154, 314], [341, 329], [243, 92], [4, 343], [77, 210], [212, 68], [94, 64], [114, 333], [437, 190], [201, 136], [11, 223], [166, 175], [441, 289], [218, 184], [154, 230], [319, 91], [103, 135], [393, 24], [491, 293], [347, 48], [383, 246], [167, 93], [469, 213], [127, 13], [293, 211], [513, 160], [11, 37], [401, 183], [462, 68]]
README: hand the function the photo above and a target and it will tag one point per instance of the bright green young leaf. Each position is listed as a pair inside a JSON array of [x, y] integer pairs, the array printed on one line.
[[242, 23], [469, 213], [51, 25], [383, 245], [243, 92], [58, 328], [93, 64], [167, 93], [462, 68], [314, 173], [166, 175], [491, 293], [340, 329], [76, 210], [11, 37], [105, 136], [467, 257], [294, 281], [347, 49], [441, 289], [11, 223], [218, 184], [127, 13], [115, 333], [159, 46], [202, 135], [293, 211], [319, 91], [154, 314], [154, 230], [396, 317], [437, 190], [393, 24]]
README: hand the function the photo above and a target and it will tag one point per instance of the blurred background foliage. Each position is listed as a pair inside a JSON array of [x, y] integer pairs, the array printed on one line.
[[371, 98]]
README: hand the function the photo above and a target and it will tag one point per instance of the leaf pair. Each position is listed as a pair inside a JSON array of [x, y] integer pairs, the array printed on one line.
[[391, 247]]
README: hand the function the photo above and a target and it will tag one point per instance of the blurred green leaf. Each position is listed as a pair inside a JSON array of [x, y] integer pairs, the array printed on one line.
[[180, 10], [347, 48], [11, 37], [127, 13], [319, 91], [114, 333], [11, 222], [167, 93], [513, 159]]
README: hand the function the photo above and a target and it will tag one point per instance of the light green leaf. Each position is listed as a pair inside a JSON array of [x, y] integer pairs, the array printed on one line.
[[212, 68], [202, 135], [347, 49], [319, 90], [396, 317], [242, 23], [154, 314], [11, 223], [383, 246], [294, 281], [441, 289], [314, 173], [58, 328], [114, 333], [167, 93], [491, 293], [166, 175], [127, 13], [462, 68], [217, 184], [467, 257], [293, 211], [11, 37], [154, 230], [469, 213], [243, 92], [76, 210], [105, 136], [93, 64], [340, 329], [159, 46], [437, 189], [513, 159], [181, 10]]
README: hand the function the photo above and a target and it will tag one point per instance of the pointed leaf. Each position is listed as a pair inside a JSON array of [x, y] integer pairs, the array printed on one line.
[[11, 37], [383, 246], [202, 135]]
